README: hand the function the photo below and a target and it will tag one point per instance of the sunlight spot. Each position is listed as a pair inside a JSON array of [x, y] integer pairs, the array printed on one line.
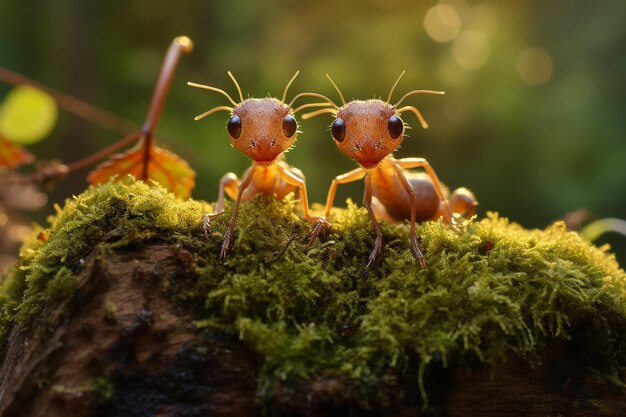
[[442, 23], [534, 66], [471, 49]]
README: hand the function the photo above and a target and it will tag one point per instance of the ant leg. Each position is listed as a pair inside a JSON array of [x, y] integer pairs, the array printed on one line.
[[367, 202], [381, 211], [422, 163], [228, 183], [294, 179], [415, 245], [283, 188], [429, 206], [351, 176], [228, 236]]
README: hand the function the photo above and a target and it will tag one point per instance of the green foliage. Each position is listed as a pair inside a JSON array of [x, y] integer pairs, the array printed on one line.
[[491, 289]]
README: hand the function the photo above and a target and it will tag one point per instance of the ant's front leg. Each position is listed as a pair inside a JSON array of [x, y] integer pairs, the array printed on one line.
[[230, 229], [354, 175], [367, 202], [228, 183]]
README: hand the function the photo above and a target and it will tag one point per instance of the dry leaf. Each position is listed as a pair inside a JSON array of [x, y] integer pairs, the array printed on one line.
[[13, 155], [162, 166]]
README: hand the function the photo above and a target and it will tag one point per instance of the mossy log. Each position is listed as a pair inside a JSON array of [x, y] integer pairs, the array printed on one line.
[[122, 308]]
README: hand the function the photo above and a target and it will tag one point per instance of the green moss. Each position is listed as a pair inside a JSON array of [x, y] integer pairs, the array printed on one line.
[[110, 310], [491, 289], [124, 214]]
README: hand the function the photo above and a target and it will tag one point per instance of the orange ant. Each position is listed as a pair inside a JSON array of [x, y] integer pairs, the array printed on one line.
[[369, 131], [263, 129]]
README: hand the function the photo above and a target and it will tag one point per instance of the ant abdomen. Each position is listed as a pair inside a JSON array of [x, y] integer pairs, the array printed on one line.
[[427, 201], [428, 207], [399, 208]]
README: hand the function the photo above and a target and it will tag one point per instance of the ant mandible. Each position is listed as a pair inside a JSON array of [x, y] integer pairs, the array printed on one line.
[[263, 129], [368, 131]]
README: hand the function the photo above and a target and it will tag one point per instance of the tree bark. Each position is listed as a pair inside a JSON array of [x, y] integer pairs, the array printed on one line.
[[121, 347]]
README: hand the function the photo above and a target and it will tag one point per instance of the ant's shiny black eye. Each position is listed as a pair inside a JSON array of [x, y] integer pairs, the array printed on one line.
[[395, 126], [289, 126], [234, 127], [338, 130]]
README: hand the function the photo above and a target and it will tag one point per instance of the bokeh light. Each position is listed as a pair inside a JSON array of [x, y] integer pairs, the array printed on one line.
[[471, 49], [534, 66], [442, 23]]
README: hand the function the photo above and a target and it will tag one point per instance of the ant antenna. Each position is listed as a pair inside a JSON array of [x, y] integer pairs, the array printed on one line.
[[282, 100], [336, 88], [394, 86], [318, 112], [410, 93], [323, 97], [417, 113], [306, 106], [213, 110], [232, 77], [217, 90]]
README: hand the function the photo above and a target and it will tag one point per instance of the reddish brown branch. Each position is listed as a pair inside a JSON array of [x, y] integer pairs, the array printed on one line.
[[92, 159], [181, 44]]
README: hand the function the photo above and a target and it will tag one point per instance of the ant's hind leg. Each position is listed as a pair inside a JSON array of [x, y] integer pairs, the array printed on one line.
[[428, 203], [408, 163], [229, 184], [367, 202], [415, 241], [296, 179]]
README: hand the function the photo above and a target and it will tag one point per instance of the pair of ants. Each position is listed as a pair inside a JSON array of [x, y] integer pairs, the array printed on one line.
[[367, 131]]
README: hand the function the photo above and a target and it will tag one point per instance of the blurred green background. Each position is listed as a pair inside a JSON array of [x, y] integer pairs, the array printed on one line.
[[533, 120]]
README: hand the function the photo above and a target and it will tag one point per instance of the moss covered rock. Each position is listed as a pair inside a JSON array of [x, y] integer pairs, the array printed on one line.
[[491, 290]]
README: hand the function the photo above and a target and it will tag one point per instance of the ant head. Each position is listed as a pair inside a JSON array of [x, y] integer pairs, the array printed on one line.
[[261, 128], [369, 130]]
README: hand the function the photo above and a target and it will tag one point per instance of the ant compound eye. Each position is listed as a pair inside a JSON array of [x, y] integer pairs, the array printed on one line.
[[338, 130], [289, 126], [395, 126], [234, 127]]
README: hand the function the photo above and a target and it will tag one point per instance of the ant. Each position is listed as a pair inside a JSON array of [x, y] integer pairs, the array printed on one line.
[[263, 129], [368, 131]]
